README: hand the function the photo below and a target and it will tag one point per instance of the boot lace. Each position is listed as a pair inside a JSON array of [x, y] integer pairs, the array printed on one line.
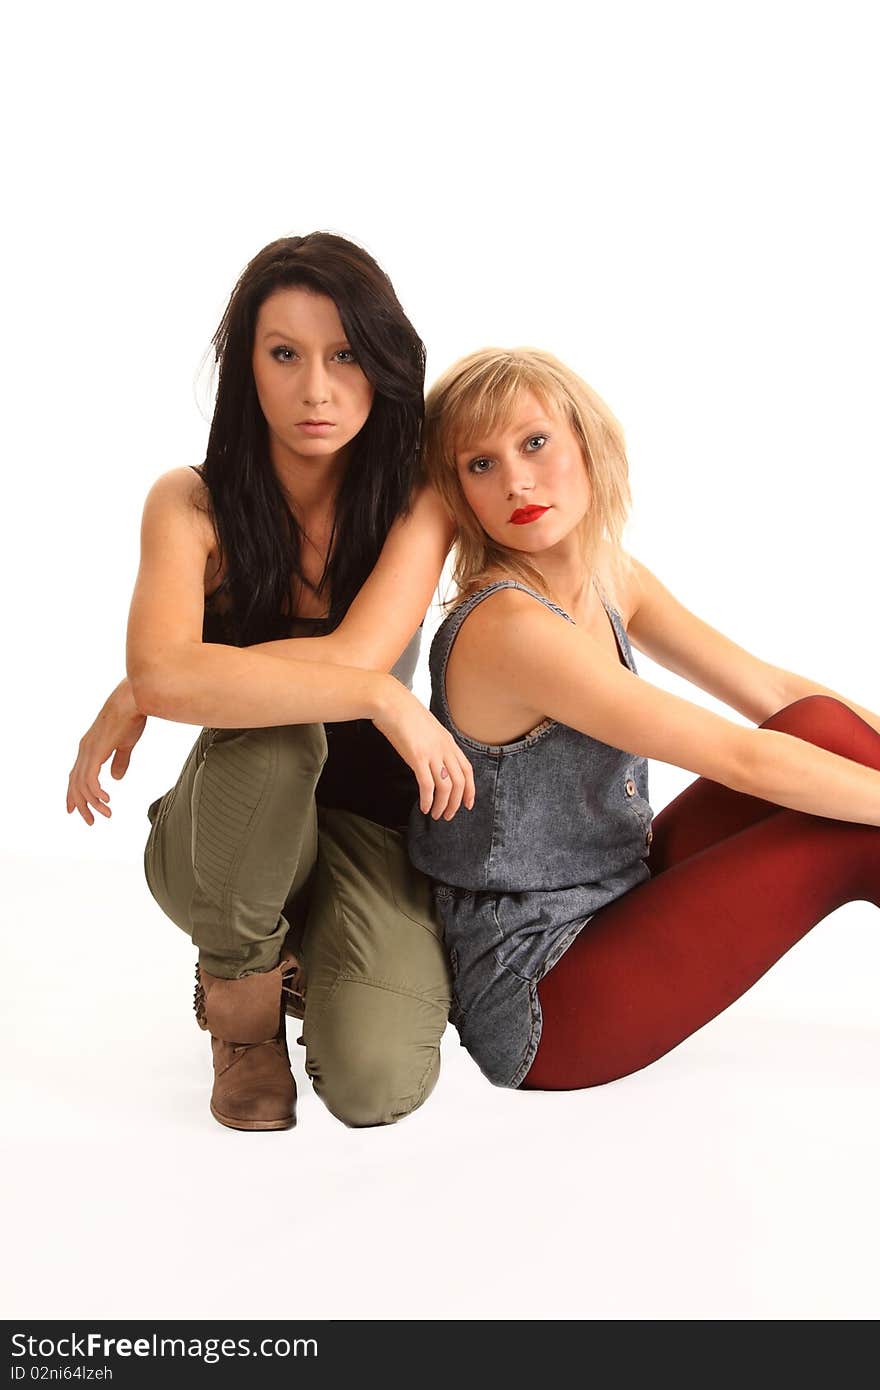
[[293, 989]]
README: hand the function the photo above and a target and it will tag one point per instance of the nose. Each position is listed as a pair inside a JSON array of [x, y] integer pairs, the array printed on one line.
[[316, 387], [517, 475]]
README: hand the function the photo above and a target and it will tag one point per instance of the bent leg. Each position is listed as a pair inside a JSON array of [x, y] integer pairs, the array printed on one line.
[[652, 967], [707, 811], [233, 844], [378, 993]]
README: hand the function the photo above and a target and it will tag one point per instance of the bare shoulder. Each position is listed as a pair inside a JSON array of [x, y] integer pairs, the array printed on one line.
[[428, 513], [498, 621], [426, 496], [181, 496], [182, 485]]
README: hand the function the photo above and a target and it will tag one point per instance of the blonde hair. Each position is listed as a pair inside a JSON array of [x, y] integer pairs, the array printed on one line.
[[477, 395]]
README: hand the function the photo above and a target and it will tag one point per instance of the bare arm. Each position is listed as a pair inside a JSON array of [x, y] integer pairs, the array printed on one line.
[[392, 602], [373, 634], [670, 634], [538, 665], [176, 676]]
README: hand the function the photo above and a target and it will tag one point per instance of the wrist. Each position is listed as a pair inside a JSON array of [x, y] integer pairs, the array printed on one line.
[[382, 691]]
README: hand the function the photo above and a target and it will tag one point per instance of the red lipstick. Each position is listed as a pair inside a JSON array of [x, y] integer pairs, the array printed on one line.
[[523, 515]]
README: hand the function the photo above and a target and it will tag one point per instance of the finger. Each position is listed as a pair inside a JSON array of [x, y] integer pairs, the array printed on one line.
[[442, 790], [457, 792], [426, 787], [99, 806], [92, 777], [84, 811], [95, 792], [470, 790]]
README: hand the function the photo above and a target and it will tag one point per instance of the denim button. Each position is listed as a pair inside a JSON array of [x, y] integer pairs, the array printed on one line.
[[630, 787]]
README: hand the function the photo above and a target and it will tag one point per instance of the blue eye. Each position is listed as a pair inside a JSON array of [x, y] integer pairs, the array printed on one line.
[[282, 354], [474, 466], [532, 439]]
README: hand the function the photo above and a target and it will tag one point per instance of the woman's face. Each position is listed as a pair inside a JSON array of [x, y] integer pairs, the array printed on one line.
[[527, 484], [311, 390]]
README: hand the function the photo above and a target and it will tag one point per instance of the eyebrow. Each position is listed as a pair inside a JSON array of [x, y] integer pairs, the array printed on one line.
[[291, 338], [473, 450]]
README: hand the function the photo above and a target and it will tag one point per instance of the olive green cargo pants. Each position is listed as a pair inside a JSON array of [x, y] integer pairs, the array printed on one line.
[[240, 857]]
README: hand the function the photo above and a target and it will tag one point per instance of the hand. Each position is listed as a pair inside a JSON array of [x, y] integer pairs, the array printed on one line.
[[116, 730], [444, 775]]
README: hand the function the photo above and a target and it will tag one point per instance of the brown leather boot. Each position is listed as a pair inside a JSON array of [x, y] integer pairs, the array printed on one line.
[[253, 1085]]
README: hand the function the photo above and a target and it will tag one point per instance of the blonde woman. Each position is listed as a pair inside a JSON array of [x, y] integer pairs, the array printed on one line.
[[587, 936]]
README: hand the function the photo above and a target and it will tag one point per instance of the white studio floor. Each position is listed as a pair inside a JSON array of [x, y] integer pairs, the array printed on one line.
[[735, 1178]]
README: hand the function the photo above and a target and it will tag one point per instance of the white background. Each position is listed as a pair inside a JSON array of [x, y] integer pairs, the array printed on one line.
[[678, 200]]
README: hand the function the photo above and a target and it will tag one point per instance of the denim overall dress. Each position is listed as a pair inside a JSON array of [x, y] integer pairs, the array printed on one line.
[[561, 826]]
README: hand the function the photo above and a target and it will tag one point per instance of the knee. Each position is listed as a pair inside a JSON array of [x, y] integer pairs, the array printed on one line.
[[293, 748], [822, 704], [373, 1054], [811, 718], [303, 746], [378, 1090]]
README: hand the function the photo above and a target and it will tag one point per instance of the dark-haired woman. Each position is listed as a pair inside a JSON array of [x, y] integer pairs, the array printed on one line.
[[278, 586]]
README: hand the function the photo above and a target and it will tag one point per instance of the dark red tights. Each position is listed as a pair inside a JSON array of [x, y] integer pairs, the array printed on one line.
[[736, 881]]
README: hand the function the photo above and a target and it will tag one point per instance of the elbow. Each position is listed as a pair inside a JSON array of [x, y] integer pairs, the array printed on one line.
[[149, 692], [154, 688], [167, 679]]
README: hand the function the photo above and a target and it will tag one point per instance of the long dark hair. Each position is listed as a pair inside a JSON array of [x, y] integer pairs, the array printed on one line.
[[258, 535]]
